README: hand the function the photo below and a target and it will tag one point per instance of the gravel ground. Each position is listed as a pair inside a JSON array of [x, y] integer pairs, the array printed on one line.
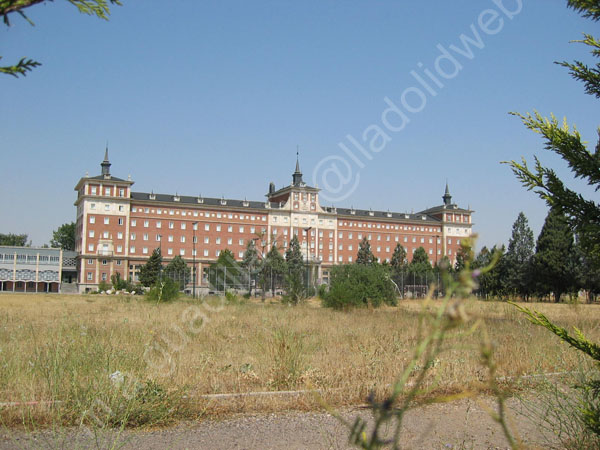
[[456, 425]]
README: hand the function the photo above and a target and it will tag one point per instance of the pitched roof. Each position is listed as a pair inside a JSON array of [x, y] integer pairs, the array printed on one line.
[[207, 201]]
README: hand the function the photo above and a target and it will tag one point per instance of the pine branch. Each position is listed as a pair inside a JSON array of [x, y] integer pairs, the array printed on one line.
[[579, 341], [21, 68], [587, 8]]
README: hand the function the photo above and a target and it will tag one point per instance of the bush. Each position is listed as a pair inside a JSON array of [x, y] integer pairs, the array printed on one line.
[[103, 286], [323, 291], [358, 285], [163, 291]]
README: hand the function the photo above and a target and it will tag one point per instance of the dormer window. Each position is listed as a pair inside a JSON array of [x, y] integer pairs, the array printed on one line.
[[152, 196], [352, 211], [223, 202], [246, 203], [176, 198], [406, 216], [200, 200], [371, 213], [389, 214], [424, 217]]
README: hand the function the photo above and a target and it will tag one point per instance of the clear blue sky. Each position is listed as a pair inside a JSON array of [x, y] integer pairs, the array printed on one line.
[[213, 97]]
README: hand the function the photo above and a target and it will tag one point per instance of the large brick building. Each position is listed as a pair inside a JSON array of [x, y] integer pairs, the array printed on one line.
[[117, 229]]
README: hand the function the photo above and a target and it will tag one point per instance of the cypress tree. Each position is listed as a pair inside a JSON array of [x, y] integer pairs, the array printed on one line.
[[518, 257], [553, 258], [365, 255]]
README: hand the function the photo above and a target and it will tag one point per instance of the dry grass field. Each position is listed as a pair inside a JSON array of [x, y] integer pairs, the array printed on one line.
[[125, 360]]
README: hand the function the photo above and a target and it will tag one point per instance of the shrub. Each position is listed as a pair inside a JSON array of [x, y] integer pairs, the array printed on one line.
[[163, 291], [358, 285], [322, 291], [103, 286]]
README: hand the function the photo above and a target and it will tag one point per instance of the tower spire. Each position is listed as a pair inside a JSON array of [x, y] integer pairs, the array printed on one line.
[[447, 197], [297, 175], [106, 164]]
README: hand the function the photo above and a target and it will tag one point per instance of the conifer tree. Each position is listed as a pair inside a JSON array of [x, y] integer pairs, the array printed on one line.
[[518, 257], [274, 268], [150, 272], [553, 260], [178, 271], [399, 261], [365, 255], [295, 271]]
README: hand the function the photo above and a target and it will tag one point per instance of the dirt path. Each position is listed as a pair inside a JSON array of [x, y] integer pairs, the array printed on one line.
[[457, 425]]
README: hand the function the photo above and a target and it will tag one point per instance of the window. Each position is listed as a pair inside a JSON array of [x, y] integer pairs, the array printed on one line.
[[92, 219], [230, 229], [146, 223], [206, 227], [89, 276], [182, 252], [104, 262], [145, 236], [218, 227], [218, 240], [104, 276], [171, 225], [145, 250], [107, 207], [241, 241], [133, 222], [183, 225], [170, 251], [350, 247], [91, 247], [206, 240], [94, 190], [132, 249], [105, 235], [182, 239], [158, 224], [241, 255], [205, 252], [217, 253], [106, 221], [93, 206], [158, 237], [121, 192], [195, 225], [91, 233], [90, 261], [229, 241], [107, 190], [252, 230], [349, 258], [241, 229], [119, 248], [170, 238]]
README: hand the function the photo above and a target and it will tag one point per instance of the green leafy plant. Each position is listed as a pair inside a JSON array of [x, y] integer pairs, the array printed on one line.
[[359, 285], [164, 290]]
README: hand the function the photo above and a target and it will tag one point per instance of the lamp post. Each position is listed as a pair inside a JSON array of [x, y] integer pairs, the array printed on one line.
[[194, 226], [160, 251], [255, 240], [307, 267]]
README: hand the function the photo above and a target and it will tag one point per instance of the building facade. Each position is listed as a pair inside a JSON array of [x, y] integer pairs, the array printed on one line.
[[36, 269], [117, 229]]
